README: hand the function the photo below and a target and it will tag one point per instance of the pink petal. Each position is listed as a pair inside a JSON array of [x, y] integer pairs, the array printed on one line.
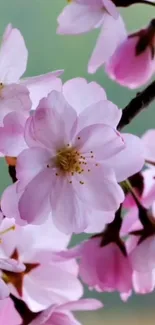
[[53, 285], [11, 265], [30, 163], [77, 18], [14, 98], [50, 237], [4, 290], [82, 304], [130, 160], [52, 114], [40, 86], [146, 248], [9, 203], [98, 142], [37, 194], [114, 269], [69, 213], [102, 112], [111, 8], [132, 70], [12, 140], [100, 189], [81, 94], [97, 220], [88, 270], [130, 222], [107, 43], [13, 56], [8, 313], [143, 282]]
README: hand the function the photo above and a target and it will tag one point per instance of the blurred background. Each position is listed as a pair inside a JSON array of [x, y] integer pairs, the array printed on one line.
[[36, 20]]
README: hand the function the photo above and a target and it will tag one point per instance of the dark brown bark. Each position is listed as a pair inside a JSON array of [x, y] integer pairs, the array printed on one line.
[[137, 104]]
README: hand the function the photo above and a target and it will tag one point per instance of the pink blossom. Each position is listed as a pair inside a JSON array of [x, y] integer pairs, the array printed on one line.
[[8, 313], [47, 278], [61, 314], [81, 16], [86, 182], [104, 268], [132, 64]]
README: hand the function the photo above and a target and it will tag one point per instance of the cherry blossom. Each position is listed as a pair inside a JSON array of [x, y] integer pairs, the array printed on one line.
[[136, 68], [81, 16], [75, 161], [46, 279], [61, 314], [107, 268], [8, 313]]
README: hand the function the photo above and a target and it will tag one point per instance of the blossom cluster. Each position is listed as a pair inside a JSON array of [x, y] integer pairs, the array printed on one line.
[[74, 171]]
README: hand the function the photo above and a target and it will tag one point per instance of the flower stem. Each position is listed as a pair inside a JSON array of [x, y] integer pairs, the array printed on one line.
[[137, 104]]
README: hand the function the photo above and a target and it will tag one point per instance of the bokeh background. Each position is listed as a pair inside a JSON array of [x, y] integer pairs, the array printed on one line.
[[36, 19]]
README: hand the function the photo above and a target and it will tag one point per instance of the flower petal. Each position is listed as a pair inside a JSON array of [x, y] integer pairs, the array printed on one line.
[[14, 98], [107, 43], [13, 56], [99, 188], [98, 142], [52, 114], [81, 94], [34, 205], [8, 313], [82, 304], [9, 203], [30, 163], [77, 18], [69, 214], [130, 160], [102, 112], [12, 140], [97, 220], [4, 290], [11, 265], [40, 86], [111, 8]]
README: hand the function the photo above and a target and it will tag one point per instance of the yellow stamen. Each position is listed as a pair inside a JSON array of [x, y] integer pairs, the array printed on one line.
[[7, 230]]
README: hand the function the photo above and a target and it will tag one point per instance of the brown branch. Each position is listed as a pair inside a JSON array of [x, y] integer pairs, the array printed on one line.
[[137, 104], [12, 173]]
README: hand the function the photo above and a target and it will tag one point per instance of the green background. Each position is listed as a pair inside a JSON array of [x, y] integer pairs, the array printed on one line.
[[36, 19]]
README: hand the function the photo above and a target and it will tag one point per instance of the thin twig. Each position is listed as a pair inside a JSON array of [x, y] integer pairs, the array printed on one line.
[[137, 104]]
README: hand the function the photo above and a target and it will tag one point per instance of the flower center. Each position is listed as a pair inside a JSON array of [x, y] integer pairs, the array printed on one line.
[[69, 160]]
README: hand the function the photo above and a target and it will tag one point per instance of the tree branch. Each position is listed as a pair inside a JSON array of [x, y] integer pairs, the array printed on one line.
[[137, 104]]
